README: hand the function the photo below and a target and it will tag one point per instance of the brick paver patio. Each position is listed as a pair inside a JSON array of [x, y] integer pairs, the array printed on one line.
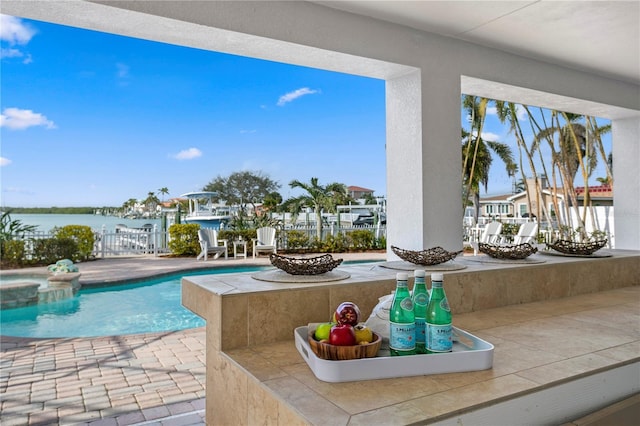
[[120, 380]]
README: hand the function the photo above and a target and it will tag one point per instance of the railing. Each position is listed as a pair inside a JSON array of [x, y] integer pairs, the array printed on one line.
[[333, 230], [128, 241], [121, 242]]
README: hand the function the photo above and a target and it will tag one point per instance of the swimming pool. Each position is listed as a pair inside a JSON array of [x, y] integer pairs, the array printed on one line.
[[140, 307]]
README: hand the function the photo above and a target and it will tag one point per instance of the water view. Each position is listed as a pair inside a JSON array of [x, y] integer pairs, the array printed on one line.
[[46, 222]]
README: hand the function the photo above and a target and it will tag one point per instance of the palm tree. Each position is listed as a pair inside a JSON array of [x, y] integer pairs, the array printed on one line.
[[128, 205], [508, 112], [151, 201], [319, 197], [476, 153], [578, 148], [163, 191]]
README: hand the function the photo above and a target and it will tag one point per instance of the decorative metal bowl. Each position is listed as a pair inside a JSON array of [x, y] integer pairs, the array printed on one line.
[[520, 251], [428, 257], [571, 247], [305, 266]]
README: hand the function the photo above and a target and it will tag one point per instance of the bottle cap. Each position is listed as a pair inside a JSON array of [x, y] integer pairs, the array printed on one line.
[[402, 276], [419, 273], [437, 276]]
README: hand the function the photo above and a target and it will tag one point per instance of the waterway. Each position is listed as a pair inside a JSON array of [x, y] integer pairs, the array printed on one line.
[[46, 222]]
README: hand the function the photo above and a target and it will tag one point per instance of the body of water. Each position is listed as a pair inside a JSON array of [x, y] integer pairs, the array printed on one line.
[[46, 222]]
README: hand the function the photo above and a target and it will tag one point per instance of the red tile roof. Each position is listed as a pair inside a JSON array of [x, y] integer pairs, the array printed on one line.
[[358, 189]]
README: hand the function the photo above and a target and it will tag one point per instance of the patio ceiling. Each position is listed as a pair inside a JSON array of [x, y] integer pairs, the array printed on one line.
[[599, 37]]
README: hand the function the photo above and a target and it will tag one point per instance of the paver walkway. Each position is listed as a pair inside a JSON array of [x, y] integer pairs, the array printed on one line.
[[119, 380], [150, 379]]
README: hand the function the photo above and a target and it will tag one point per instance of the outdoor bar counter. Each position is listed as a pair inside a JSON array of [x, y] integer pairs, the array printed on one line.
[[566, 334]]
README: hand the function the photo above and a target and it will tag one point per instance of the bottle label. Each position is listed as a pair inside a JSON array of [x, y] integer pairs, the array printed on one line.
[[421, 299], [421, 332], [402, 337], [439, 337], [406, 304], [444, 305]]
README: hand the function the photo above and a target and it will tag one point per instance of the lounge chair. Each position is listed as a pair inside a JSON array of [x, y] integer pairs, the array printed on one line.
[[490, 235], [265, 241], [209, 243], [527, 233]]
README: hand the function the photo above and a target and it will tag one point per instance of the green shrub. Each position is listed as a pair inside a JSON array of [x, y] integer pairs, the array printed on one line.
[[184, 239], [297, 240], [49, 250], [82, 235], [336, 244], [13, 252], [233, 234], [362, 239]]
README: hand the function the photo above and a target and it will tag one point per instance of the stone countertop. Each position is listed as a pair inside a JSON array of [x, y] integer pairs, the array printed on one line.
[[541, 317], [536, 345]]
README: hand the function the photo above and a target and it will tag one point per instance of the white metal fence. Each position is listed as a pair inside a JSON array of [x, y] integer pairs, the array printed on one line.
[[154, 241]]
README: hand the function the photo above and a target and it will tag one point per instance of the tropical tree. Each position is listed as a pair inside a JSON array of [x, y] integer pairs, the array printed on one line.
[[12, 228], [476, 153], [577, 148], [129, 205], [272, 201], [163, 191], [317, 196], [151, 201], [242, 188]]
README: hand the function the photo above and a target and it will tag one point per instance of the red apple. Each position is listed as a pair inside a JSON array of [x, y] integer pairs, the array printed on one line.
[[342, 335], [347, 313]]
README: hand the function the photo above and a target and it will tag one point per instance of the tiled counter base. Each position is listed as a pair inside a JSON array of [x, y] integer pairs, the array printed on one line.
[[255, 375]]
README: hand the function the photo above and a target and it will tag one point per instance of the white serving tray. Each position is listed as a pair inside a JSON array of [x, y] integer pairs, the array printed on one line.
[[470, 353]]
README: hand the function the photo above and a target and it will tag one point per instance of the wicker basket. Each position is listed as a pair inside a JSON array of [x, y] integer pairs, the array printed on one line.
[[571, 247], [342, 353], [432, 256], [520, 251], [306, 266]]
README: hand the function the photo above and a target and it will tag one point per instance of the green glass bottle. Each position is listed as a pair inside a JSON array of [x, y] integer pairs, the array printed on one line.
[[402, 332], [438, 319], [420, 299]]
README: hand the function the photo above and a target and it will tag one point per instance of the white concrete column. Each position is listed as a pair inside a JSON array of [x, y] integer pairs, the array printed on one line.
[[405, 227], [423, 162], [626, 182]]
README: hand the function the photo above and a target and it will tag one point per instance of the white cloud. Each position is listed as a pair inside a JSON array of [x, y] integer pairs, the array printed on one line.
[[521, 113], [14, 31], [123, 70], [291, 96], [20, 119], [4, 161], [488, 136], [188, 154], [10, 53]]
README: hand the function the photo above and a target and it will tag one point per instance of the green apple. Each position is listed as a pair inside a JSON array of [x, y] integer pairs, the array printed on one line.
[[322, 331]]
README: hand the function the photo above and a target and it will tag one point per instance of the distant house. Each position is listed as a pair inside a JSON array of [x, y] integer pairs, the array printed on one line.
[[358, 192], [601, 195], [517, 205], [497, 206], [521, 204]]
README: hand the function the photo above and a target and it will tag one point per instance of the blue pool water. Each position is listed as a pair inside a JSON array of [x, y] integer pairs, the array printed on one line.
[[142, 307]]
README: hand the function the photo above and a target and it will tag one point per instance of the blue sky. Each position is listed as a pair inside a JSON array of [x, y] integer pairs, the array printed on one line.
[[94, 119]]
